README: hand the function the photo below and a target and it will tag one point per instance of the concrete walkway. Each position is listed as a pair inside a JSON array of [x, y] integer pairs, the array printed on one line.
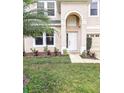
[[75, 58]]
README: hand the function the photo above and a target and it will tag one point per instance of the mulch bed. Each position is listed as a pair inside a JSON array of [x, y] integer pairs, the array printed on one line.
[[42, 54]]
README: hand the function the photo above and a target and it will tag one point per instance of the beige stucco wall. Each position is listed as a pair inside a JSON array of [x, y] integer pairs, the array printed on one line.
[[93, 27], [29, 42], [93, 21], [74, 6], [95, 43], [95, 47], [80, 9]]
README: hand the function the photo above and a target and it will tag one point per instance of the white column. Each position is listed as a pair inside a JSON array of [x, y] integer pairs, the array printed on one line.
[[63, 35], [83, 37]]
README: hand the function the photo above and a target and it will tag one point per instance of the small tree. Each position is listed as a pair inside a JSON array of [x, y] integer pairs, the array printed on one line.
[[35, 23], [29, 1]]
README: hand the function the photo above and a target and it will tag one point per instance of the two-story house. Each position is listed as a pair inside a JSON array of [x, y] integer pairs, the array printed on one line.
[[74, 22]]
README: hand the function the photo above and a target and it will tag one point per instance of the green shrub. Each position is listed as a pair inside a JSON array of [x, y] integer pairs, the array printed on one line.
[[34, 51], [56, 51], [65, 52], [89, 43], [84, 54], [45, 48], [88, 54]]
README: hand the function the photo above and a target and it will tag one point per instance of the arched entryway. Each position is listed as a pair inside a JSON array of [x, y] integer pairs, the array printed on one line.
[[73, 32]]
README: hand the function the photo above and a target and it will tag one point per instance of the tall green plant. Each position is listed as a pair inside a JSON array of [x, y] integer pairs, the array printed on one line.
[[29, 1], [34, 21], [89, 43]]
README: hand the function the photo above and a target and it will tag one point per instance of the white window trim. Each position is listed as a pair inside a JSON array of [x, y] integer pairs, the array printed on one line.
[[44, 41], [45, 7], [53, 41], [97, 10], [34, 44]]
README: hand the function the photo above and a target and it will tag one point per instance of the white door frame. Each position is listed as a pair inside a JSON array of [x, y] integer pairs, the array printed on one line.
[[72, 40]]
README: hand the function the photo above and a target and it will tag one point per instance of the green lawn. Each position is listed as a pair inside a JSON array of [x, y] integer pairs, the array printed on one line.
[[44, 60], [52, 75]]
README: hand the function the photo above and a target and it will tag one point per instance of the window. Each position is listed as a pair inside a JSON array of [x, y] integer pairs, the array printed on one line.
[[50, 8], [72, 21], [92, 35], [94, 8], [50, 39], [39, 41], [45, 39], [97, 35], [40, 5]]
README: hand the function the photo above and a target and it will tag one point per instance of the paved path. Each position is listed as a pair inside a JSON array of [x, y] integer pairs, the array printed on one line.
[[75, 58]]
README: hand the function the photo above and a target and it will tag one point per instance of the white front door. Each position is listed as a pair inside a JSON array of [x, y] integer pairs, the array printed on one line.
[[72, 41]]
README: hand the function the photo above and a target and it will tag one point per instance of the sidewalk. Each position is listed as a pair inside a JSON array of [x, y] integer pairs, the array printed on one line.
[[75, 58]]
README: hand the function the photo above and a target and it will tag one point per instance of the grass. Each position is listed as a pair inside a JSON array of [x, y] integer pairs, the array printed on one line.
[[44, 60], [52, 75]]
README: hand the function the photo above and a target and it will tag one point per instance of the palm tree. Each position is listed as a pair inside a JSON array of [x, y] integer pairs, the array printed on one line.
[[35, 22], [29, 1]]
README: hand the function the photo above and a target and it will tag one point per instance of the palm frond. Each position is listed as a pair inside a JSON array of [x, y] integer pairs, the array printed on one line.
[[35, 22]]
